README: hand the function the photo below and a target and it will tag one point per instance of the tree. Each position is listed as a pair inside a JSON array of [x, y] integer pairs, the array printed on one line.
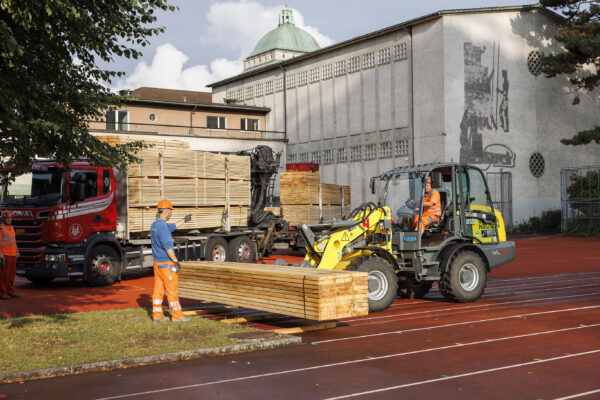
[[51, 82], [580, 37]]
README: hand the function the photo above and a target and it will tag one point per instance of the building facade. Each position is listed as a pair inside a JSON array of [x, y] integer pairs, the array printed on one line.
[[461, 85]]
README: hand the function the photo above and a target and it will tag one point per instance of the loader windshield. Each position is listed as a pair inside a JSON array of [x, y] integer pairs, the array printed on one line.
[[41, 187], [403, 195]]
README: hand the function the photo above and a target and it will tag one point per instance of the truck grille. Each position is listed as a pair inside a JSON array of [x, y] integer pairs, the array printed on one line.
[[29, 241]]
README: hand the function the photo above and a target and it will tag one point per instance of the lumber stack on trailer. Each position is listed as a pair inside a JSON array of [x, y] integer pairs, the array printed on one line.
[[310, 293], [304, 198], [196, 182]]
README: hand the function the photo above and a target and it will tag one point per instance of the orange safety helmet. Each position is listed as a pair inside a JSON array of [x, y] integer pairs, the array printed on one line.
[[164, 204], [429, 179]]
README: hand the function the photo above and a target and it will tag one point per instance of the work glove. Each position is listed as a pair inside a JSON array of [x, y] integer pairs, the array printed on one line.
[[187, 218], [177, 267]]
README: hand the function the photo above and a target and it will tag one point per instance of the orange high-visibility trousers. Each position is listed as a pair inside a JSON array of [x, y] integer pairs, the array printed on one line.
[[427, 219], [165, 279]]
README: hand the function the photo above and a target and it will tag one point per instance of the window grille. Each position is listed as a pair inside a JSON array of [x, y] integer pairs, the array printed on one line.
[[326, 71], [313, 75], [291, 158], [303, 157], [302, 78], [369, 60], [278, 84], [384, 56], [268, 87], [316, 157], [341, 155], [385, 149], [400, 52], [340, 68], [370, 151], [259, 89], [354, 64], [249, 92], [355, 153], [328, 156], [537, 164], [401, 147], [290, 81], [534, 63]]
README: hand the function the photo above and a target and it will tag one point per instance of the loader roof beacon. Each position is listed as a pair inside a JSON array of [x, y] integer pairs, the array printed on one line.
[[381, 239]]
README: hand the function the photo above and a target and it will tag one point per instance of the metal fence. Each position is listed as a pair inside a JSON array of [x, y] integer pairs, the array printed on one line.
[[180, 130], [580, 196], [500, 184]]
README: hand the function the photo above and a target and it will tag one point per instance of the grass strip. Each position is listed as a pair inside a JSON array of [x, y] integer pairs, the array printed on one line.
[[64, 339]]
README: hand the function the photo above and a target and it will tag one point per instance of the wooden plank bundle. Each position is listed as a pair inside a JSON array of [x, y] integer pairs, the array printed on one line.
[[305, 199], [194, 181], [310, 293]]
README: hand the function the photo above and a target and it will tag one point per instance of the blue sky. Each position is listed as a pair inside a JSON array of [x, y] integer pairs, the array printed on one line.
[[206, 41]]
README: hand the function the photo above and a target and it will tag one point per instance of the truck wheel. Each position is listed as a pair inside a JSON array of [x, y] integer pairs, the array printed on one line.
[[102, 267], [216, 249], [43, 280], [383, 283], [241, 249], [409, 288], [465, 279]]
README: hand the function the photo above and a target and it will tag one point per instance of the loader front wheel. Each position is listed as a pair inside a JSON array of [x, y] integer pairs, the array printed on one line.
[[383, 283]]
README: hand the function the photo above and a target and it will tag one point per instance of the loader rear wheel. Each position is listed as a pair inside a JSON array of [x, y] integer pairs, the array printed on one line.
[[409, 288], [103, 266], [241, 250], [383, 283], [465, 279]]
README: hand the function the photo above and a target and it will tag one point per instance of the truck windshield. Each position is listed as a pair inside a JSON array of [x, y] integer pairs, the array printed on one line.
[[39, 188], [403, 195]]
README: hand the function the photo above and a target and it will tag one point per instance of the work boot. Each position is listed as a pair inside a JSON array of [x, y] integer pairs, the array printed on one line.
[[184, 319], [163, 319], [5, 297], [15, 295]]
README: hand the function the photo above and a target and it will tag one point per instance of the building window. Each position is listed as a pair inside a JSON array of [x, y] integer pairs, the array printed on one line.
[[249, 92], [268, 87], [341, 155], [290, 81], [400, 52], [340, 68], [384, 56], [247, 124], [313, 75], [401, 147], [537, 165], [303, 157], [258, 91], [326, 71], [302, 78], [117, 120], [328, 156], [355, 153], [291, 158], [315, 157], [213, 122], [385, 149], [152, 117], [369, 60], [534, 63], [370, 151], [354, 64], [278, 84]]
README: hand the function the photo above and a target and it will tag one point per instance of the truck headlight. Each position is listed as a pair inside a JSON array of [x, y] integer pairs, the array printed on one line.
[[56, 257]]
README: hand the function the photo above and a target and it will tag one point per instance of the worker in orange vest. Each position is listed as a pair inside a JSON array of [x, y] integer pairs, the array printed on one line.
[[8, 257], [166, 265], [432, 207]]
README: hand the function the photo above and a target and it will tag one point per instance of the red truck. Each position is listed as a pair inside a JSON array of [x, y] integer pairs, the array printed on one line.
[[74, 223]]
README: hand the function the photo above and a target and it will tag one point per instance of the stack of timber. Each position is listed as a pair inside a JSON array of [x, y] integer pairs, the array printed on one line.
[[195, 182], [305, 199], [310, 293]]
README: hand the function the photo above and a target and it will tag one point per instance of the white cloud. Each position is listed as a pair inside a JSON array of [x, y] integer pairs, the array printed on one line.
[[229, 27]]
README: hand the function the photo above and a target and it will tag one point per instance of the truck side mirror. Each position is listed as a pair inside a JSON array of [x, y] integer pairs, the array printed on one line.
[[77, 190]]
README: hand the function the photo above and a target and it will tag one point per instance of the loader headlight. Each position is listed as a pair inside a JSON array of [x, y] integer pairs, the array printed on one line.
[[56, 257]]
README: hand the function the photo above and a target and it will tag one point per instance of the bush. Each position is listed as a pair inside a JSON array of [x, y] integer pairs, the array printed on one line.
[[583, 228], [549, 222]]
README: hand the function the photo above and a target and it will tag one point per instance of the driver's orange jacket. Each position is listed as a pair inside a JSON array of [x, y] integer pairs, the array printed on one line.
[[434, 197]]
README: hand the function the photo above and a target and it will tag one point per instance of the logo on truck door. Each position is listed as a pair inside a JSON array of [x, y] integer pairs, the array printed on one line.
[[75, 231]]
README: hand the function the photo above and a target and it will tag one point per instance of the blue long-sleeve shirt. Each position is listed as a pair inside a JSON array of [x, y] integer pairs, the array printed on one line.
[[160, 235]]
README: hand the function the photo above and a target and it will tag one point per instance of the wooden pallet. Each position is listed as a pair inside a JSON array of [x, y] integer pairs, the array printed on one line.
[[301, 292]]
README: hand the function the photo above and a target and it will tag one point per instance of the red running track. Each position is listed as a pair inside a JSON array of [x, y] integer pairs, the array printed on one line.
[[535, 256]]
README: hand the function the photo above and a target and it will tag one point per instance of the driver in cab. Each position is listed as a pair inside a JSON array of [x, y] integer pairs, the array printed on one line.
[[432, 207]]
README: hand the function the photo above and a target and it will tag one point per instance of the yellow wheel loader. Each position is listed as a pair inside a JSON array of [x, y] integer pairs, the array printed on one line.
[[401, 259]]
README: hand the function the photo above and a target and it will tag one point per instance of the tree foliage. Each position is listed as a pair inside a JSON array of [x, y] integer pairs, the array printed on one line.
[[51, 81], [580, 37]]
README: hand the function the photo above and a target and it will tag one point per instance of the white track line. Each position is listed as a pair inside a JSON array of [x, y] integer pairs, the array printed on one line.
[[485, 371], [455, 324], [458, 309], [574, 396], [546, 276], [360, 360], [496, 288]]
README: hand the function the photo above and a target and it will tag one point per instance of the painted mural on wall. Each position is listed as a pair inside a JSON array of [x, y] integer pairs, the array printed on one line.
[[485, 121]]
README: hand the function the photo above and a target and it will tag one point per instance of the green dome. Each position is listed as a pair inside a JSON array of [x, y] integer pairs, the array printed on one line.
[[286, 36]]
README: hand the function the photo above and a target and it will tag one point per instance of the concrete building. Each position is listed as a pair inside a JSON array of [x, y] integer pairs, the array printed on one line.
[[191, 117], [458, 85]]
